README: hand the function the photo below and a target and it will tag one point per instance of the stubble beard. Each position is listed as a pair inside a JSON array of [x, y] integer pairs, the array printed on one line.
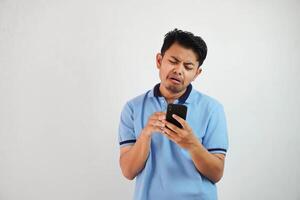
[[173, 89]]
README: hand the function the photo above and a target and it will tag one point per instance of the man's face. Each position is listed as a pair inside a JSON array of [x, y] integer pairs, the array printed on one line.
[[177, 68]]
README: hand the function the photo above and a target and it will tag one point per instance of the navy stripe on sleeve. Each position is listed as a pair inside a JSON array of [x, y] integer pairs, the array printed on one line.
[[127, 141], [217, 149]]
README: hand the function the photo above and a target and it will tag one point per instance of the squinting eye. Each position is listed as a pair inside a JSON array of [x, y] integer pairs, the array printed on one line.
[[188, 68], [172, 62]]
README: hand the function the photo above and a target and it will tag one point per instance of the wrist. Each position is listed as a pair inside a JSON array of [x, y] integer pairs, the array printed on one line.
[[194, 146], [146, 133]]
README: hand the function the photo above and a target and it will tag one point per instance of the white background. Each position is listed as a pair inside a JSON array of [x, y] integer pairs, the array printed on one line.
[[68, 67]]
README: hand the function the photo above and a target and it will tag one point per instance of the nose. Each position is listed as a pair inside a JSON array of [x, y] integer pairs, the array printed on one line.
[[178, 69]]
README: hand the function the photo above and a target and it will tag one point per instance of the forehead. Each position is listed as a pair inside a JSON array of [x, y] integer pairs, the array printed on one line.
[[181, 53]]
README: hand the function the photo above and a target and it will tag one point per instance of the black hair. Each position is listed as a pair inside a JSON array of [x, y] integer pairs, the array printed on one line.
[[187, 40]]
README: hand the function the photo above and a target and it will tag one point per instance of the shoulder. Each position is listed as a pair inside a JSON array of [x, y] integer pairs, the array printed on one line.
[[137, 100], [205, 101]]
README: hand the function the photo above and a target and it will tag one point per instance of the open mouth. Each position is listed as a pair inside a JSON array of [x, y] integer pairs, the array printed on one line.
[[175, 80]]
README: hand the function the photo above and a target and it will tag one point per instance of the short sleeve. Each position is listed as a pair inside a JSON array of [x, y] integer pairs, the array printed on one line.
[[215, 139], [126, 127]]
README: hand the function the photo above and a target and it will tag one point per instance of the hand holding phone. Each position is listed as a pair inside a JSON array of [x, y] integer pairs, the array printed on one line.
[[177, 109]]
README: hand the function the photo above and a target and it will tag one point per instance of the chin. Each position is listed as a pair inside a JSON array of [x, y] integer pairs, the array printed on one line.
[[175, 89]]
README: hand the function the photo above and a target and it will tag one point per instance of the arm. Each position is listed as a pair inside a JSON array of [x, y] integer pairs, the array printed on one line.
[[133, 158], [210, 165]]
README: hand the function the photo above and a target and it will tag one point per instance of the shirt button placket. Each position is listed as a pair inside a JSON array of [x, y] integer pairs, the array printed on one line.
[[164, 105]]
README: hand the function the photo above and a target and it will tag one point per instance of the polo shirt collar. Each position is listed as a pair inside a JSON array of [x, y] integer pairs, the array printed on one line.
[[182, 99]]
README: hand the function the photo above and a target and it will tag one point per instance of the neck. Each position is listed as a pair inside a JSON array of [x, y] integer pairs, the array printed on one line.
[[170, 97]]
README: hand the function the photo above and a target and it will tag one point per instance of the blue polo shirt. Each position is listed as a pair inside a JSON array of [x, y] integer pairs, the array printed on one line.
[[169, 172]]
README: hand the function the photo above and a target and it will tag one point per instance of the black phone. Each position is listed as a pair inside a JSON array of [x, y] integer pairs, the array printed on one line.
[[177, 109]]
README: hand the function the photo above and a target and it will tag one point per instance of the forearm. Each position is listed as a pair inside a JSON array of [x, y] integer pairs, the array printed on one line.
[[133, 161], [208, 164]]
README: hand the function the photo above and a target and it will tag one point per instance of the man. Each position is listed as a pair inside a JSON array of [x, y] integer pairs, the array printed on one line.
[[171, 163]]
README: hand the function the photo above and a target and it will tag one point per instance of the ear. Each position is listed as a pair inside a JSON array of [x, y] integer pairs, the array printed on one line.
[[158, 60], [198, 72]]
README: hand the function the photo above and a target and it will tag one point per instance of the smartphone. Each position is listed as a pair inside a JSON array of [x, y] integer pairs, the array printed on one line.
[[177, 109]]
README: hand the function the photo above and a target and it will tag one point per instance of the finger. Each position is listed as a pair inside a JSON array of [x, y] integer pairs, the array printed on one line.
[[161, 115], [154, 128], [155, 122], [173, 139], [177, 130], [171, 134], [180, 120], [158, 116], [169, 137], [172, 127], [157, 129]]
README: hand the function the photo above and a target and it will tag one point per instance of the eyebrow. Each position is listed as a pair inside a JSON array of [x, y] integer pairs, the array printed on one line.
[[187, 63]]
